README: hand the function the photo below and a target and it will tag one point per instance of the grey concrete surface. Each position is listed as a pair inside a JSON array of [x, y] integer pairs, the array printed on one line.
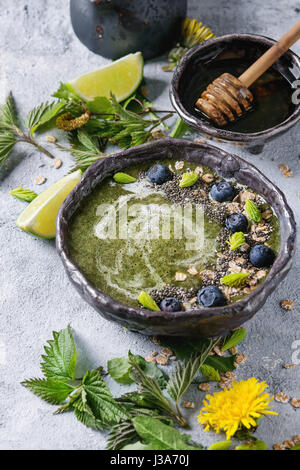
[[39, 49]]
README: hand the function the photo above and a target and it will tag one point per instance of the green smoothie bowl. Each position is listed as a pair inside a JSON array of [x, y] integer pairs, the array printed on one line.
[[176, 238]]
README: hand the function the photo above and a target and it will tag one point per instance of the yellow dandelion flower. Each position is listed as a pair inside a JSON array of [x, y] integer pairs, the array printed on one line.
[[235, 407]]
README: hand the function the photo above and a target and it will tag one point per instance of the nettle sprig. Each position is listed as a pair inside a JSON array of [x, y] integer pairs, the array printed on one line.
[[13, 131]]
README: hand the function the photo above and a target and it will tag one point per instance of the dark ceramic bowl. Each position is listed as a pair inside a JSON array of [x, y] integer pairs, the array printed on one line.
[[207, 322], [114, 28], [245, 47]]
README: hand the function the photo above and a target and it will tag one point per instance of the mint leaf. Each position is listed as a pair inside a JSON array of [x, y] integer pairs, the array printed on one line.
[[148, 302], [59, 362], [119, 369], [23, 194], [236, 338], [236, 240], [235, 279], [220, 363], [210, 373], [252, 211], [123, 178], [99, 399], [160, 436], [52, 391], [188, 179], [221, 445]]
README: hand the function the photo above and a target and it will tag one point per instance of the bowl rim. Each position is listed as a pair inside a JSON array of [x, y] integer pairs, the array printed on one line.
[[124, 312], [206, 127]]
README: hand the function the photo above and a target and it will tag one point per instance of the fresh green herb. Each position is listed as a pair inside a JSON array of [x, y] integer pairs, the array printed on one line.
[[123, 178], [85, 149], [210, 373], [161, 436], [148, 302], [42, 114], [221, 445], [11, 129], [235, 279], [188, 179], [180, 129], [23, 194], [183, 375], [192, 33], [236, 240], [235, 339], [252, 211], [220, 363], [52, 391]]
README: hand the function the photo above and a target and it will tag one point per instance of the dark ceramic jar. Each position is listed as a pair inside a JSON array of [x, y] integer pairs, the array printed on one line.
[[114, 28], [242, 47], [205, 322]]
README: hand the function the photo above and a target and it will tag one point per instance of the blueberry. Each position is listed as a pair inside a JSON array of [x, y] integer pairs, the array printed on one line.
[[222, 191], [159, 174], [210, 296], [261, 256], [236, 223], [170, 304]]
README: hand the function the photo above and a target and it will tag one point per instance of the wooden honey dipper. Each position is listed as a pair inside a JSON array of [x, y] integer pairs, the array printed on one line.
[[228, 97]]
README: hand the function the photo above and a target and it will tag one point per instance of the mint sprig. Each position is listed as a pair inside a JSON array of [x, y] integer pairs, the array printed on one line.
[[252, 211], [235, 279], [188, 179], [123, 178], [148, 302], [236, 240]]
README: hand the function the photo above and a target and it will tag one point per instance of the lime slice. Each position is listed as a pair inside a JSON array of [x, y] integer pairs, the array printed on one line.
[[39, 217], [121, 77]]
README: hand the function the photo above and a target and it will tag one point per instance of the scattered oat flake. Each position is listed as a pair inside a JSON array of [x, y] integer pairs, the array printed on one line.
[[204, 387], [288, 444], [150, 359], [287, 304], [207, 177], [51, 139], [240, 359], [296, 438], [278, 447], [156, 340], [233, 350], [161, 359], [188, 404], [200, 141], [192, 271], [167, 352], [286, 171], [180, 276], [57, 163], [40, 180], [289, 366], [218, 351], [282, 397], [225, 384], [295, 402], [179, 165]]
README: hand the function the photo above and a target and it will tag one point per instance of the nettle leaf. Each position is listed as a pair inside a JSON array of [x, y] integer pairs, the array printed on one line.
[[210, 373], [42, 114], [138, 446], [252, 211], [8, 113], [52, 391], [7, 142], [253, 445], [160, 436], [151, 370], [236, 240], [100, 105], [119, 369], [84, 149], [236, 338], [121, 435], [59, 362], [221, 445], [184, 348], [148, 302], [220, 363], [88, 420], [235, 279], [123, 178], [65, 93], [188, 179], [103, 405], [23, 194], [183, 375]]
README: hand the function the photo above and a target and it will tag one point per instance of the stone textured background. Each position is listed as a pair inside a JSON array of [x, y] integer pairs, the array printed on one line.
[[38, 49]]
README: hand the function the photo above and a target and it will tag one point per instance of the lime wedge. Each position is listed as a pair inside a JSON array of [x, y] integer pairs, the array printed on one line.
[[121, 78], [39, 217]]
